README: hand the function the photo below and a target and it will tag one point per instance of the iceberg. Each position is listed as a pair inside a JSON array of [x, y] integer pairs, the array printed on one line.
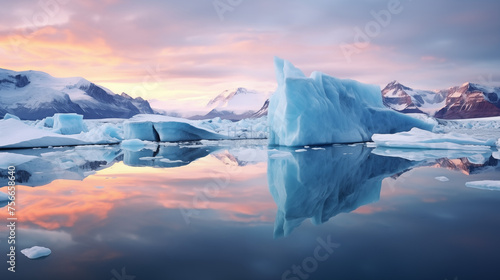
[[442, 178], [484, 185], [167, 129], [68, 124], [36, 252], [17, 134], [140, 130], [421, 139], [322, 110]]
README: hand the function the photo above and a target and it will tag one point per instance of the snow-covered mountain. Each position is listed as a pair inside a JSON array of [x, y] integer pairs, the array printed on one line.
[[460, 102], [470, 101], [235, 104], [35, 95], [407, 100]]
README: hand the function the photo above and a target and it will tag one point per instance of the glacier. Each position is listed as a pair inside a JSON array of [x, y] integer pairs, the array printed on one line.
[[322, 110]]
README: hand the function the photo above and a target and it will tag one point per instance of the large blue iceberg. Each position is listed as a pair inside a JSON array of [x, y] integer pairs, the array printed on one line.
[[323, 110]]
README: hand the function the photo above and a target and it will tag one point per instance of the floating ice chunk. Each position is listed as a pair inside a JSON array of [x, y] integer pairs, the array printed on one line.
[[300, 150], [69, 124], [169, 129], [484, 185], [442, 179], [180, 131], [10, 116], [421, 139], [318, 149], [323, 109], [17, 134], [36, 252]]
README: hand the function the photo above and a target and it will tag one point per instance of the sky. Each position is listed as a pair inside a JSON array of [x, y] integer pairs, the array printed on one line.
[[180, 54]]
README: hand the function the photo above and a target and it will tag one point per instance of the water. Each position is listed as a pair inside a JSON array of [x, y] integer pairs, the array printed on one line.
[[241, 210]]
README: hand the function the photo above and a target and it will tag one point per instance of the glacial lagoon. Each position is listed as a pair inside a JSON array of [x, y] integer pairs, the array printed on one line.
[[243, 210]]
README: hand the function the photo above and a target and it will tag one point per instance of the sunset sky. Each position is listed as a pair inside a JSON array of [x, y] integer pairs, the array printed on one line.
[[186, 52]]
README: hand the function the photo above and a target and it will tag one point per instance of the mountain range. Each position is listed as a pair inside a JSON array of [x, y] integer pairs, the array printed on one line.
[[236, 105], [460, 102], [33, 95]]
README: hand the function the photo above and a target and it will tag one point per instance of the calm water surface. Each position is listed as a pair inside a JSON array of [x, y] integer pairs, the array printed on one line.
[[242, 210]]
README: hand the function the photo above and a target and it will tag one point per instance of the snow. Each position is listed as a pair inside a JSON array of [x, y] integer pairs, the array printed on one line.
[[442, 178], [323, 110], [10, 116], [484, 185], [36, 252], [238, 101], [69, 124], [422, 139]]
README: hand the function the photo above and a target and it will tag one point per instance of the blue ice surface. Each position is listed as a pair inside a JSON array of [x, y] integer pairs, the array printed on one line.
[[140, 130], [168, 131], [322, 110], [69, 123], [10, 116], [49, 122]]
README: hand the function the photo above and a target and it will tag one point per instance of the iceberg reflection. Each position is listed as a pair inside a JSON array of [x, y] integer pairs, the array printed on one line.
[[320, 184], [167, 156]]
